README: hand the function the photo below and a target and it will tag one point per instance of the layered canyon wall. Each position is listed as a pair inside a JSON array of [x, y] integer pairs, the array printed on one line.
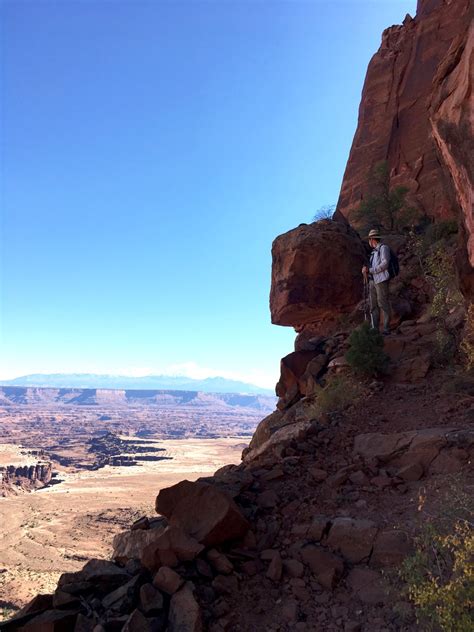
[[416, 113]]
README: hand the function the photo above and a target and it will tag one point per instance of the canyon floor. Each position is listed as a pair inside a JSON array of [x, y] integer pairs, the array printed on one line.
[[56, 529]]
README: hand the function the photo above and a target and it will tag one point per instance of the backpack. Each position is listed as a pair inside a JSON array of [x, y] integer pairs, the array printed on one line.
[[393, 265]]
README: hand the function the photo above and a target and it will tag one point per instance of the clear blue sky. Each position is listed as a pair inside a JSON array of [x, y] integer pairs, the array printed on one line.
[[151, 153]]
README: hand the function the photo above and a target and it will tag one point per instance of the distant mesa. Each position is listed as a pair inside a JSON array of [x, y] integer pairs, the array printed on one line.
[[149, 382], [16, 479], [119, 398]]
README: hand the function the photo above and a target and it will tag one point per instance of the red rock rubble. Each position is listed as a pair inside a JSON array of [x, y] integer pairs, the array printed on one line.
[[299, 535]]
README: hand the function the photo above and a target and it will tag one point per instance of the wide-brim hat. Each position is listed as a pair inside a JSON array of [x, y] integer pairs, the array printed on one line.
[[374, 234]]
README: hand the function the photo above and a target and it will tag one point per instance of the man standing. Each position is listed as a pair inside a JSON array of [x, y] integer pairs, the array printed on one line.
[[378, 276]]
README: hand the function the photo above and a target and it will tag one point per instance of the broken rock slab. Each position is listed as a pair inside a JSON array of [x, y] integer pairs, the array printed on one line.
[[412, 369], [51, 621], [293, 377], [423, 448], [122, 599], [326, 567], [173, 546], [129, 545], [352, 538], [367, 585], [99, 576], [391, 547], [155, 547], [202, 511]]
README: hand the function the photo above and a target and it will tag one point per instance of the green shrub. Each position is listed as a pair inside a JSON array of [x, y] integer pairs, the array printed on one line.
[[7, 611], [436, 264], [425, 240], [441, 273], [440, 231], [384, 207], [366, 355], [339, 392], [445, 347], [439, 576]]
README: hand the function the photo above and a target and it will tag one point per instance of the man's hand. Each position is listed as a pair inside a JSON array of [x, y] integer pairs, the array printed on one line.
[[365, 270]]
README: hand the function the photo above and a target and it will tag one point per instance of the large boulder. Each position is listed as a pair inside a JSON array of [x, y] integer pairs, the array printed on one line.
[[316, 274], [279, 430], [202, 511]]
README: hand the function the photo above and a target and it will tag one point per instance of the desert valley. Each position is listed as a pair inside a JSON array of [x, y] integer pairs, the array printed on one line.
[[77, 465], [346, 503]]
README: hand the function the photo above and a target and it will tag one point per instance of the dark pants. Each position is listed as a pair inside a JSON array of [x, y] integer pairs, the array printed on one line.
[[379, 300]]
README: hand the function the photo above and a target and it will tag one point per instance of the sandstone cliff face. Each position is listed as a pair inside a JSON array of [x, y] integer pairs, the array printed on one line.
[[24, 478], [416, 113], [452, 124], [41, 472]]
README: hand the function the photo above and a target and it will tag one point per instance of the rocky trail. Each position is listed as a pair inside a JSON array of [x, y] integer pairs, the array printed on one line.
[[305, 534], [309, 531]]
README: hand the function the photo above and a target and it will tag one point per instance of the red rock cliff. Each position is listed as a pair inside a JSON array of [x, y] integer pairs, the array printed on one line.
[[416, 113]]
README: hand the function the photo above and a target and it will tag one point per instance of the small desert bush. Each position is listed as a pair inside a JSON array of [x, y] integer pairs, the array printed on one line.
[[7, 611], [427, 239], [445, 347], [366, 355], [439, 576], [384, 207], [339, 392], [324, 212], [441, 273], [440, 579], [439, 231]]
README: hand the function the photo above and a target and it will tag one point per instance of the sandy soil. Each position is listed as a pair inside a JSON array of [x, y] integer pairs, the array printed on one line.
[[50, 531]]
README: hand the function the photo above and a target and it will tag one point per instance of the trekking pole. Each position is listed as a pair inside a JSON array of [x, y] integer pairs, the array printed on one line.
[[366, 293], [370, 306]]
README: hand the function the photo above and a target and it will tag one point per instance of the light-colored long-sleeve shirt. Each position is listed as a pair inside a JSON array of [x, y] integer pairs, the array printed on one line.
[[379, 262]]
